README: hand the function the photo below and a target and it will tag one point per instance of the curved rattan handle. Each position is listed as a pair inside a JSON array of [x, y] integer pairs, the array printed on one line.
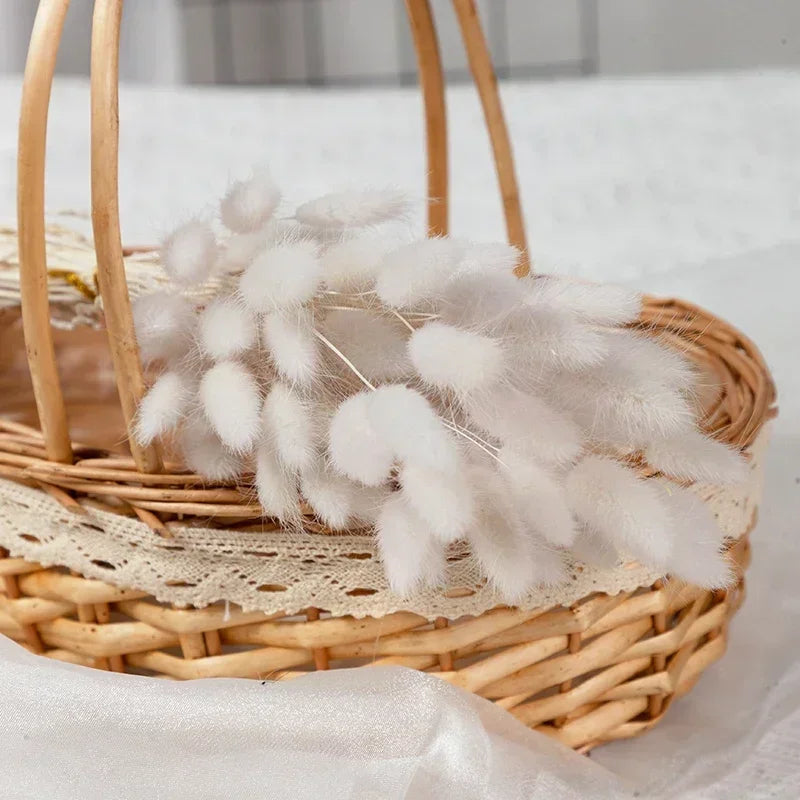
[[423, 29], [431, 79], [105, 199], [39, 69], [480, 64], [105, 220]]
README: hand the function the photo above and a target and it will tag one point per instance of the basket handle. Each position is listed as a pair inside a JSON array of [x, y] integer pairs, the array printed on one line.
[[431, 79], [480, 64], [104, 73], [39, 70], [38, 80], [423, 29]]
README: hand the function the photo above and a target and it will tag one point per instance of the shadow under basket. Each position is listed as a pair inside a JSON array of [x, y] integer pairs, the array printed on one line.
[[603, 668]]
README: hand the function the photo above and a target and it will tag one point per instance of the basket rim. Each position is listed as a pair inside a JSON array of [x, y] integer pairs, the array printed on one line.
[[173, 505], [736, 417]]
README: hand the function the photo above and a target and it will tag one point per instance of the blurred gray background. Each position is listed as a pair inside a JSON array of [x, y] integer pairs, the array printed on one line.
[[367, 41]]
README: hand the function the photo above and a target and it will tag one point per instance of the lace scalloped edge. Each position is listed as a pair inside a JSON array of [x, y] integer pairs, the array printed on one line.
[[281, 572]]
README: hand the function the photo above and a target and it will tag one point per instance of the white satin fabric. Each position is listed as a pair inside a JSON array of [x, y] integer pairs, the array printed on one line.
[[370, 733]]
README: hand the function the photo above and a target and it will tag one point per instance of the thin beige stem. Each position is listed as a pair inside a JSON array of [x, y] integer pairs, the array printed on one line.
[[403, 320], [334, 349]]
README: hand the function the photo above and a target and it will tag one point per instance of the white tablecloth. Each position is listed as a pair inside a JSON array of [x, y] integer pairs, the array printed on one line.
[[686, 186]]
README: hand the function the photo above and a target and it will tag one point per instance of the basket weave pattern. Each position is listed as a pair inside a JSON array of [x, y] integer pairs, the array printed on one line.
[[605, 668]]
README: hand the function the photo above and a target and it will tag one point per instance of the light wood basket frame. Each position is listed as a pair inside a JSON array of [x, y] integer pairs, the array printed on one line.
[[604, 669]]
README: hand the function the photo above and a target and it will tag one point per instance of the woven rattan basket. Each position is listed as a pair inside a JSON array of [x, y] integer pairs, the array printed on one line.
[[604, 667]]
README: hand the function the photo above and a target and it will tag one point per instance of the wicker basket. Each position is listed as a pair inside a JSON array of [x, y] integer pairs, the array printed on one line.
[[606, 667]]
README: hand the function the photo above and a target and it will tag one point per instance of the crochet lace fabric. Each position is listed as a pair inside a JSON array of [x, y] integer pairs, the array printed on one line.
[[281, 572]]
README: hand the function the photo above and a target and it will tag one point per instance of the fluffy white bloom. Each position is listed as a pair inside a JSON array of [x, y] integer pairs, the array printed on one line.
[[698, 553], [226, 329], [189, 253], [526, 423], [602, 304], [231, 402], [162, 407], [547, 341], [511, 557], [352, 265], [540, 498], [459, 360], [289, 426], [276, 485], [694, 457], [482, 258], [415, 272], [355, 448], [635, 396], [284, 276], [162, 322], [332, 497], [353, 209], [644, 356], [408, 424], [592, 548], [443, 501], [289, 339], [241, 249], [249, 204], [411, 555], [626, 510], [483, 303], [205, 454]]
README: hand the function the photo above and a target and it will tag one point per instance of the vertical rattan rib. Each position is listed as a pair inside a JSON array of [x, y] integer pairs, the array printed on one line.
[[480, 64], [431, 78], [39, 70], [113, 287]]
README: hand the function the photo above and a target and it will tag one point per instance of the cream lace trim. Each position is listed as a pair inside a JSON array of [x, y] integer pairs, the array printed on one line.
[[288, 572]]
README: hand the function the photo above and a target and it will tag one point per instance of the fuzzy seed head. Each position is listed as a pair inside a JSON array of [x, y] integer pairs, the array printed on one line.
[[414, 272], [230, 399], [189, 253], [353, 209], [290, 341], [250, 204], [457, 360], [284, 277], [356, 450], [162, 322], [226, 329]]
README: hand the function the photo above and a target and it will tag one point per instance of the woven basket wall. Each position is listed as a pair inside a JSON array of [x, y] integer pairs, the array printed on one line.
[[605, 668]]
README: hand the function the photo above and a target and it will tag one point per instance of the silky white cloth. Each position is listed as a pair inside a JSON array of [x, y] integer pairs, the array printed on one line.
[[386, 732], [688, 187]]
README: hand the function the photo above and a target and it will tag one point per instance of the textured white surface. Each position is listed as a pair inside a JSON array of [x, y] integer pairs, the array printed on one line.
[[620, 178], [687, 186]]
